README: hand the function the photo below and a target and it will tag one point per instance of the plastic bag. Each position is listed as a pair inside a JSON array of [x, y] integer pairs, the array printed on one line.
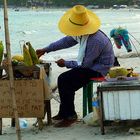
[[52, 79], [23, 123], [91, 119]]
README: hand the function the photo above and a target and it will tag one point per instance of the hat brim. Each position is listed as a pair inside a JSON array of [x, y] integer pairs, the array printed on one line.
[[71, 29]]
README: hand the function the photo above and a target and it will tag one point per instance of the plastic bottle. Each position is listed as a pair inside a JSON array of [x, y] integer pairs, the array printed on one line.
[[23, 123], [96, 111]]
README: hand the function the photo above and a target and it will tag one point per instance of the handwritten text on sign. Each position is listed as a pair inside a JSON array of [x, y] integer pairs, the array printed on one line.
[[29, 98]]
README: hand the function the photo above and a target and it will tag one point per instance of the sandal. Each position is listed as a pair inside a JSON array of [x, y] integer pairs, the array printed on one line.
[[65, 123], [59, 117]]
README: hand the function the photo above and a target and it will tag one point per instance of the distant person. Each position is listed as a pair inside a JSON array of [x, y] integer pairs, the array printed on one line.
[[95, 57]]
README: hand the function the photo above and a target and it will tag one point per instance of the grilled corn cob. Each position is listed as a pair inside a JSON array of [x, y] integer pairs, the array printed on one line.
[[26, 56], [33, 53]]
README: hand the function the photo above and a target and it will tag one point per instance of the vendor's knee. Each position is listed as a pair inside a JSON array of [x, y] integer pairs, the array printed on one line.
[[62, 79]]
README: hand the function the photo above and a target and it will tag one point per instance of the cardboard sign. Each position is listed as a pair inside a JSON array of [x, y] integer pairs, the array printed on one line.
[[29, 98]]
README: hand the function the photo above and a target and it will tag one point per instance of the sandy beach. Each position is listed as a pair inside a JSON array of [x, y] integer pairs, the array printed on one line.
[[79, 130]]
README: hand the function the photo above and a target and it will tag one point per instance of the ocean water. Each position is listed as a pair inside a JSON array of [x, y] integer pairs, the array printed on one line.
[[40, 28]]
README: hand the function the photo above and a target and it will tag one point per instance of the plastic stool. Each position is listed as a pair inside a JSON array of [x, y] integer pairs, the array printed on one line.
[[87, 95]]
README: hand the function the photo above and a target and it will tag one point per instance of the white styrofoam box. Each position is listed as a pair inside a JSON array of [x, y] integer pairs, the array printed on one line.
[[121, 105]]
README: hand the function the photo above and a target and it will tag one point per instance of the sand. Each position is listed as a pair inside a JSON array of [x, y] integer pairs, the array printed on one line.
[[79, 130]]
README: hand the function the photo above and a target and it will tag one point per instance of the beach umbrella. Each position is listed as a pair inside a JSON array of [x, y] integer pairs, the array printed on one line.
[[10, 70]]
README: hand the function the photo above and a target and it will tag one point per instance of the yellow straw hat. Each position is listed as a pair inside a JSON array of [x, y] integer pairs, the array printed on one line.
[[79, 21]]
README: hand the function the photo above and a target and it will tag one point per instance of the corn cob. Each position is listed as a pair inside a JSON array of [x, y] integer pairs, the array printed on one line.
[[26, 56], [1, 51], [33, 53]]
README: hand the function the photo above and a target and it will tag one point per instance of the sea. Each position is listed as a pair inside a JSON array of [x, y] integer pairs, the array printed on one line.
[[40, 27]]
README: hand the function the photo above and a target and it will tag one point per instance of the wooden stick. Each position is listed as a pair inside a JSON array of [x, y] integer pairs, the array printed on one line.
[[10, 69]]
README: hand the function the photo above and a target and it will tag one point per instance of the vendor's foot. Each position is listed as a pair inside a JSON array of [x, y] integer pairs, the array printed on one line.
[[64, 123], [67, 121], [59, 117]]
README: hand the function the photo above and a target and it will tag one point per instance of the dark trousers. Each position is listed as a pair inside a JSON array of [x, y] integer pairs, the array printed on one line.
[[69, 82]]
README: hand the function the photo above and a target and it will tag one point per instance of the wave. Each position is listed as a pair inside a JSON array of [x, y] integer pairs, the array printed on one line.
[[136, 16], [27, 32]]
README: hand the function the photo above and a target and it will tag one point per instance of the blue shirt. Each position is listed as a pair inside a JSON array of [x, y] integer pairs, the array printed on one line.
[[99, 54]]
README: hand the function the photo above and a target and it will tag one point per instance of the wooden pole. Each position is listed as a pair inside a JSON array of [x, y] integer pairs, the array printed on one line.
[[10, 70]]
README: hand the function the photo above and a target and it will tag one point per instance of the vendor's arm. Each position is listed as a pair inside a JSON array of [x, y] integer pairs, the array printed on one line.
[[63, 43], [71, 64]]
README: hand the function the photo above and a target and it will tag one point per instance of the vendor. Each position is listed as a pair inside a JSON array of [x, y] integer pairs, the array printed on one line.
[[95, 57]]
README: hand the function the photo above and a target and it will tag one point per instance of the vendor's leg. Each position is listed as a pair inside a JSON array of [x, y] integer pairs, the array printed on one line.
[[69, 82]]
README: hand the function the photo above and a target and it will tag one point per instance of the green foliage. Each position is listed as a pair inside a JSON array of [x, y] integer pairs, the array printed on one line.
[[105, 3], [15, 2]]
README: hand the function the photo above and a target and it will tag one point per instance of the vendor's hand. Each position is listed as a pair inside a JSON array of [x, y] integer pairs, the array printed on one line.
[[40, 52], [60, 62]]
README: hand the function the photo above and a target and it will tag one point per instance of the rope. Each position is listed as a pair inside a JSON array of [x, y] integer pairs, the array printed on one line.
[[134, 47], [134, 38], [134, 44]]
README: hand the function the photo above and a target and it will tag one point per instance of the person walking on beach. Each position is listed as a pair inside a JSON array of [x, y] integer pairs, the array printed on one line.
[[95, 57]]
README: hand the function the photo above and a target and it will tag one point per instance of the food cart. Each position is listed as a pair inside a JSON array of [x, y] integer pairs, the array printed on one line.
[[31, 92]]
